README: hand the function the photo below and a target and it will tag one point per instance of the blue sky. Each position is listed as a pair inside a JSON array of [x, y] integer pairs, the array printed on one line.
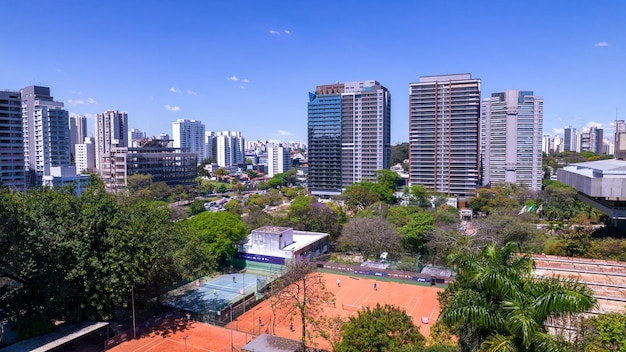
[[248, 65]]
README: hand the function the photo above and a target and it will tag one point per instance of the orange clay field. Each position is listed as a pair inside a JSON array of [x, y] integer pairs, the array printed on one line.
[[352, 293]]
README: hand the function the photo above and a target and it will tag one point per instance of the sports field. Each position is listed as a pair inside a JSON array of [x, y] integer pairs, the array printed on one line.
[[354, 292], [420, 302], [181, 335]]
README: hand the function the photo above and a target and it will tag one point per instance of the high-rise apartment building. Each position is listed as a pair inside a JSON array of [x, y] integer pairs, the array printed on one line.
[[189, 137], [11, 141], [46, 133], [228, 147], [85, 157], [569, 139], [591, 140], [210, 146], [78, 132], [511, 130], [620, 140], [545, 144], [278, 159], [444, 133], [349, 134], [111, 132], [135, 135]]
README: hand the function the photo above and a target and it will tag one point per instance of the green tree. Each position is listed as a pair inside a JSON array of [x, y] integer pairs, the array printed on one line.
[[220, 173], [419, 195], [361, 195], [388, 181], [382, 328], [220, 232], [233, 206], [221, 188], [196, 207], [603, 333], [414, 231], [495, 304]]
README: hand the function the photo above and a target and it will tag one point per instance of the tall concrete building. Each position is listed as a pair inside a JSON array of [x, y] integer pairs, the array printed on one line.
[[46, 133], [78, 132], [545, 144], [278, 159], [444, 133], [620, 140], [111, 132], [511, 130], [591, 140], [12, 173], [85, 157], [135, 135], [189, 137], [229, 147], [569, 139], [210, 146], [349, 134]]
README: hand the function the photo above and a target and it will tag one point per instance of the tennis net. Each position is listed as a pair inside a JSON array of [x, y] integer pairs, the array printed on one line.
[[223, 288]]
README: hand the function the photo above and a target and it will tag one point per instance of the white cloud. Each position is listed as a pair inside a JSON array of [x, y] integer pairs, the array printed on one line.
[[174, 90], [191, 92], [273, 32], [284, 133], [287, 32], [558, 131], [245, 80], [91, 101], [75, 92], [242, 87], [171, 108], [232, 78], [594, 124], [601, 44]]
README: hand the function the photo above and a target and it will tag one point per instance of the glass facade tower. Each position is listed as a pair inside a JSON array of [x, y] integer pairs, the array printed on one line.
[[512, 127]]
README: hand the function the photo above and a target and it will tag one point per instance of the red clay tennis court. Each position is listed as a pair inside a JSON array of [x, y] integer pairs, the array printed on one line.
[[420, 302], [190, 337], [354, 292]]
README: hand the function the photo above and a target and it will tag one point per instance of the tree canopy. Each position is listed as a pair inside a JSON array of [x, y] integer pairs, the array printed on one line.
[[77, 258], [382, 328], [495, 304], [220, 232]]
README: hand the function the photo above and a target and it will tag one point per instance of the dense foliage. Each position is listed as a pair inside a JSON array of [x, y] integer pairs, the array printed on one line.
[[76, 258], [378, 329]]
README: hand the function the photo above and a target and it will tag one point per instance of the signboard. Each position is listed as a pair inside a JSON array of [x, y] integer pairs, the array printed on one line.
[[261, 258]]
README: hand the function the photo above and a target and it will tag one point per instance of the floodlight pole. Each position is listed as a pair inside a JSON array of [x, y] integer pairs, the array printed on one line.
[[244, 290]]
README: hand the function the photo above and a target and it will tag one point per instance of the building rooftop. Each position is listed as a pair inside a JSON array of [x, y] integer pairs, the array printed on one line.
[[602, 167], [302, 239]]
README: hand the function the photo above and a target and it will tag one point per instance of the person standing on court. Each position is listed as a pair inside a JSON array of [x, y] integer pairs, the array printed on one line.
[[234, 280], [338, 283], [375, 286]]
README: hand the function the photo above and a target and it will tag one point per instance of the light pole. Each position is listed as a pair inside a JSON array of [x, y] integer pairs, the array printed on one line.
[[185, 338], [132, 301]]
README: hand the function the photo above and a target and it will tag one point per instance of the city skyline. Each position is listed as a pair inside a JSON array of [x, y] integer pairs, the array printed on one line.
[[249, 66]]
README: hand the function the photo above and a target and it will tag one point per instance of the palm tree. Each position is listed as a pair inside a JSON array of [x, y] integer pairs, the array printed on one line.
[[495, 304]]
